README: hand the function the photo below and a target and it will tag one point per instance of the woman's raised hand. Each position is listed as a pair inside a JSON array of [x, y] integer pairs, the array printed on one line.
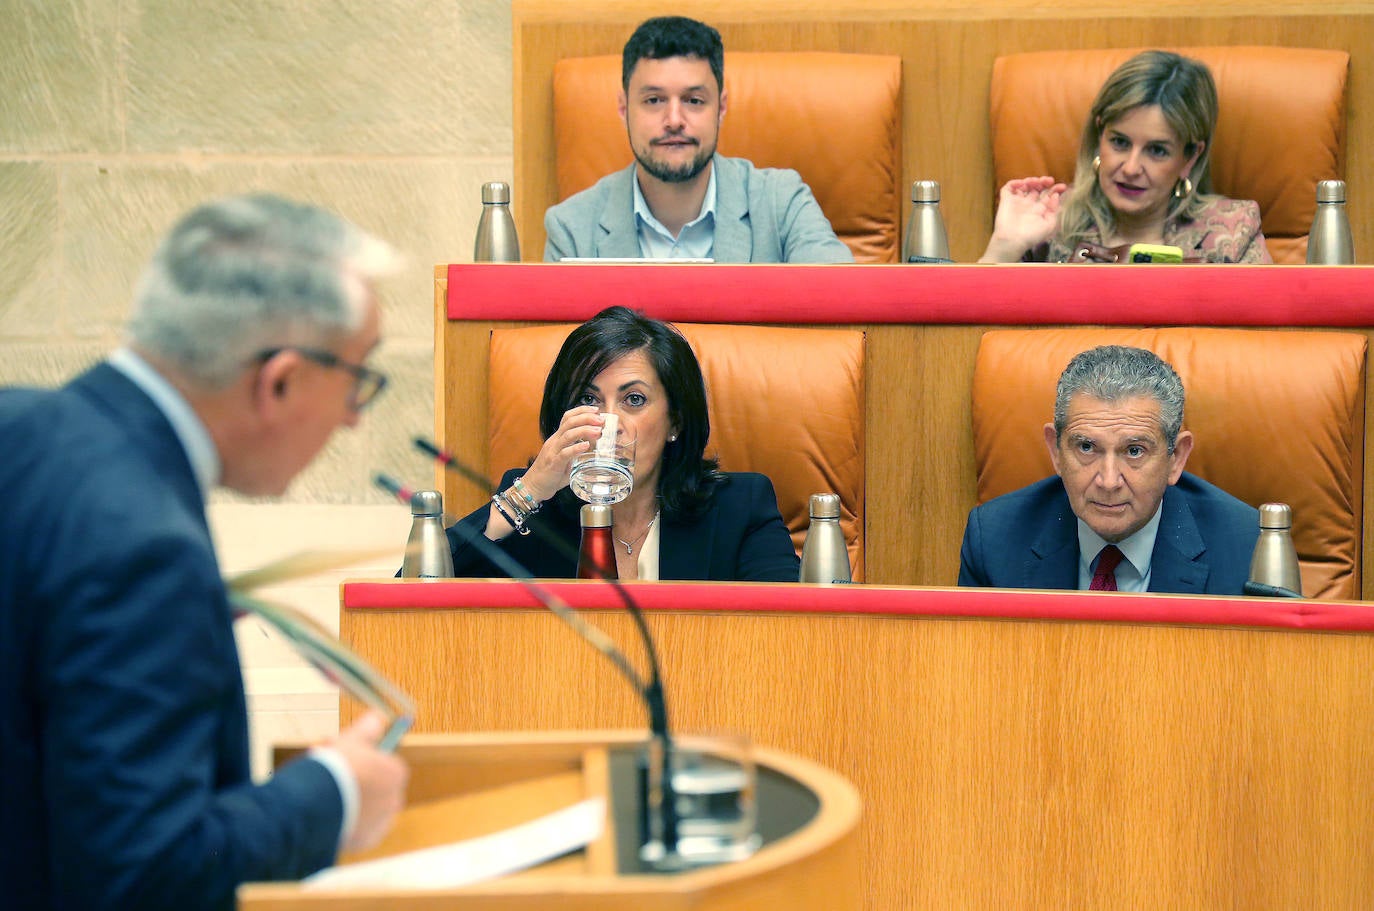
[[576, 433], [1027, 213]]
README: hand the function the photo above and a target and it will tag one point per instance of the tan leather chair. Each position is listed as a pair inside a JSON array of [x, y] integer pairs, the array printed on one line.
[[787, 403], [1281, 127], [834, 118], [1277, 416]]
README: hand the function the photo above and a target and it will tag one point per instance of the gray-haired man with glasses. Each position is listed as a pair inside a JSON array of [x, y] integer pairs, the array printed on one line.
[[124, 770]]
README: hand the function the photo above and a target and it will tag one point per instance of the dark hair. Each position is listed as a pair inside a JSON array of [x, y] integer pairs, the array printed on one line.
[[673, 36], [688, 478]]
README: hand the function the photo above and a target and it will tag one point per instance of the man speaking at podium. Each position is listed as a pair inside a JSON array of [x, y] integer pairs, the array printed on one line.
[[1121, 515], [124, 779], [680, 199]]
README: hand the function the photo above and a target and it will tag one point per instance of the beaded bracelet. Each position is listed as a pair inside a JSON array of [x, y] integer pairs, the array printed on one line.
[[517, 523]]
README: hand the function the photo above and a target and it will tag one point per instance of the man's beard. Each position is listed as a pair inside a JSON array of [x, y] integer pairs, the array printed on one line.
[[675, 173]]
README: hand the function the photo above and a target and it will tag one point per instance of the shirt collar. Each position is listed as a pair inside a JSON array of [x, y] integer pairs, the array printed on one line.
[[645, 216], [1136, 550], [190, 430]]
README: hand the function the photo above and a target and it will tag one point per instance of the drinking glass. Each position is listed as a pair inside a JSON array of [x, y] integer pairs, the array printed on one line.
[[605, 474], [714, 786]]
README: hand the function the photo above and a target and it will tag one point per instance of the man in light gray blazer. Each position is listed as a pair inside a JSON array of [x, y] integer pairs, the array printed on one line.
[[680, 199]]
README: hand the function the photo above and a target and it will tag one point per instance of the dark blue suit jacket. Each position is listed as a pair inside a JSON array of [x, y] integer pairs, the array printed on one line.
[[1029, 539], [124, 779], [739, 538]]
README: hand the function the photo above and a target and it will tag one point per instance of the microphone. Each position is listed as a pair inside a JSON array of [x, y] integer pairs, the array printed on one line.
[[1264, 590], [651, 691]]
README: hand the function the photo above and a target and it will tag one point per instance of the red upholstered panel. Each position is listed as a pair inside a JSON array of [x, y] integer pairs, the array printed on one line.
[[1116, 607], [1015, 295]]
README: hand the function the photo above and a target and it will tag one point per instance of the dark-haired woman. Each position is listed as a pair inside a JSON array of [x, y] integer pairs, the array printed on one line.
[[684, 519], [1143, 177]]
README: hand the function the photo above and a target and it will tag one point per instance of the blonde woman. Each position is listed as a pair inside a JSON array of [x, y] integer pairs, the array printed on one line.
[[1142, 177]]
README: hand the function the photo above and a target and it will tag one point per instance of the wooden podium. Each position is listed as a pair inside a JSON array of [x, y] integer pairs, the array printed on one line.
[[465, 786]]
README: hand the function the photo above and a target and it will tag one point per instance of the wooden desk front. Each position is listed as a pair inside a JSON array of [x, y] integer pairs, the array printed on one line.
[[1012, 749]]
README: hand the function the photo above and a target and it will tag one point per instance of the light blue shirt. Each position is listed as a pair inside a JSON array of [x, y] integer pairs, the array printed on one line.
[[1133, 572], [200, 450], [697, 238]]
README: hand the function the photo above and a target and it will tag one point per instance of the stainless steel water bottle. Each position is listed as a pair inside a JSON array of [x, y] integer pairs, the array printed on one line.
[[496, 240], [1329, 242], [427, 552], [925, 231], [1275, 562], [824, 556]]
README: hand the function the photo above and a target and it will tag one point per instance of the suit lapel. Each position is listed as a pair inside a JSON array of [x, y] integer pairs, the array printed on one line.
[[1176, 565], [1053, 563], [684, 552], [619, 232], [734, 239]]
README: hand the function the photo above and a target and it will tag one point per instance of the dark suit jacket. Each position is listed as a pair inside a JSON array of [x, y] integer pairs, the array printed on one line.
[[124, 779], [1029, 539], [740, 538]]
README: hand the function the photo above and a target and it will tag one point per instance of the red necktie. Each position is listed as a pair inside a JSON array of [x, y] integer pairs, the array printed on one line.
[[1104, 579]]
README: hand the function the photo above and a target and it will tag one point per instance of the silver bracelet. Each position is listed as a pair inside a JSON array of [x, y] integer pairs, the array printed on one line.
[[516, 522]]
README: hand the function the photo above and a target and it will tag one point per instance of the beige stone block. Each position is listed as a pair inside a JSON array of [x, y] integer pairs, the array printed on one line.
[[374, 77], [114, 215], [30, 305], [406, 411], [249, 535], [60, 80], [429, 210], [289, 701], [47, 365]]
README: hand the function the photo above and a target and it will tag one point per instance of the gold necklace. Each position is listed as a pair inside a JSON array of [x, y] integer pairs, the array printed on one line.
[[630, 545]]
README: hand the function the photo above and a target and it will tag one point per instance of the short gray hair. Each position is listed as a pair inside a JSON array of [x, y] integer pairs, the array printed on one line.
[[246, 274], [1113, 373]]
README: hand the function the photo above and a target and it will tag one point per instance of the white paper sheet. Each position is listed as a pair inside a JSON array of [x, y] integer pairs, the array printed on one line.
[[466, 862]]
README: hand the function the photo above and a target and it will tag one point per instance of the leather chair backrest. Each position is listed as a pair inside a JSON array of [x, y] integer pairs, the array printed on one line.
[[1280, 129], [788, 403], [1277, 416], [833, 118]]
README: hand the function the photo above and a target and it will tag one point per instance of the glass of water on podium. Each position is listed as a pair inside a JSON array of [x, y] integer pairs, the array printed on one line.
[[714, 795], [605, 474]]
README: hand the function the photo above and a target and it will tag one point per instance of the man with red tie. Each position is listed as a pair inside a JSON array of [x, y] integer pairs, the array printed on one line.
[[1120, 514]]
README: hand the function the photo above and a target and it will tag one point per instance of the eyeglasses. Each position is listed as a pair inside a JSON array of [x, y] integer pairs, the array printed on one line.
[[367, 383]]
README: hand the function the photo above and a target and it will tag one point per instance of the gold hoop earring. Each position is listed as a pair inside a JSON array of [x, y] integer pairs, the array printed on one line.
[[1097, 164], [1183, 188]]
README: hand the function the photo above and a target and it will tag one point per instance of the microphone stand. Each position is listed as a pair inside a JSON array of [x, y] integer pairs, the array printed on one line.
[[651, 691]]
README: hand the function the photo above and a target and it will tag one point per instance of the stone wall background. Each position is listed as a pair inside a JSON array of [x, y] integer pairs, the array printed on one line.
[[118, 115]]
